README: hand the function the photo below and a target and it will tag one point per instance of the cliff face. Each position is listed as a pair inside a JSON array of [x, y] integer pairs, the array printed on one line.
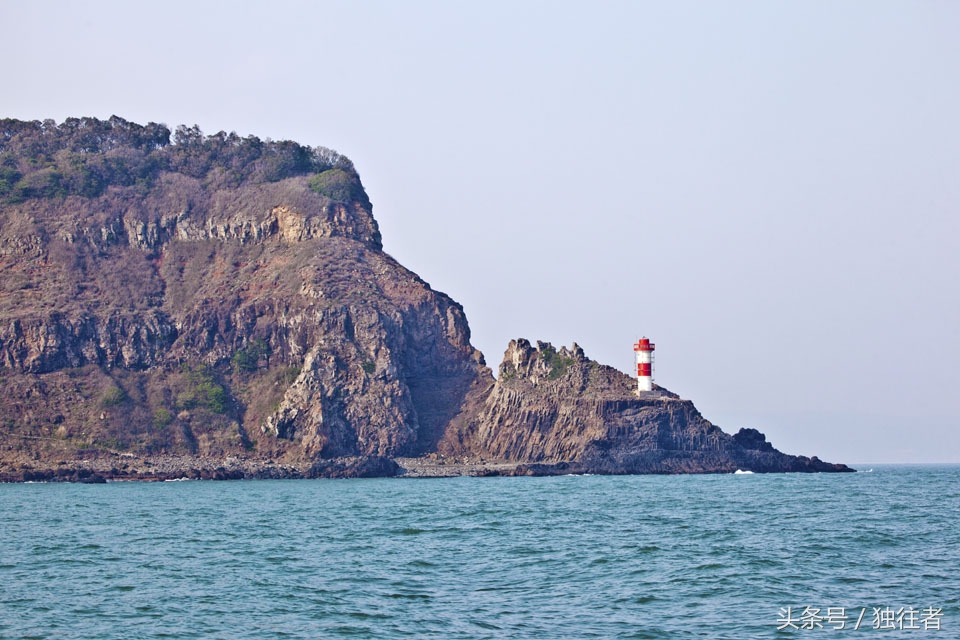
[[226, 299], [196, 316]]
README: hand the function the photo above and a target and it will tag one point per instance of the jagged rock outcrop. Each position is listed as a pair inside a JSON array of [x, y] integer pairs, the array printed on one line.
[[225, 299], [557, 411]]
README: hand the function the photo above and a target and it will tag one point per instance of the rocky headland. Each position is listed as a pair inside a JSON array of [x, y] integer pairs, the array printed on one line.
[[174, 305]]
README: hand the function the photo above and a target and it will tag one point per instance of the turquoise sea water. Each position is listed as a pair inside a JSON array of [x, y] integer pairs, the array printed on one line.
[[717, 556]]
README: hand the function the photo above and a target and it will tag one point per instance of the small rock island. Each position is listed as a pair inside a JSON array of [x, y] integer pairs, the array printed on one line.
[[177, 305]]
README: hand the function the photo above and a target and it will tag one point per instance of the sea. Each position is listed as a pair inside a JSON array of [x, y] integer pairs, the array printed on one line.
[[873, 554]]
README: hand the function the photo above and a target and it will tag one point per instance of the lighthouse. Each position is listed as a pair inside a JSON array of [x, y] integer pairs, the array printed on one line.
[[644, 350]]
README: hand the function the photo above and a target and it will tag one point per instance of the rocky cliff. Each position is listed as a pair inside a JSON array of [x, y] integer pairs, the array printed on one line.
[[560, 412], [220, 306]]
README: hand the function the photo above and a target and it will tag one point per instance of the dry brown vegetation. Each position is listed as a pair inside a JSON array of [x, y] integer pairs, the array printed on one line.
[[134, 293]]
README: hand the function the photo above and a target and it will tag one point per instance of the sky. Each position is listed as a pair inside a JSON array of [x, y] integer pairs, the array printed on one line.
[[768, 190]]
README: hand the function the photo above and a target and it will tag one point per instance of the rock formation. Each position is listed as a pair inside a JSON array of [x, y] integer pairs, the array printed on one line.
[[560, 412], [222, 307]]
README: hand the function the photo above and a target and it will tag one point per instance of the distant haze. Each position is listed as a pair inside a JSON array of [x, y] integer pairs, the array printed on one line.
[[767, 190]]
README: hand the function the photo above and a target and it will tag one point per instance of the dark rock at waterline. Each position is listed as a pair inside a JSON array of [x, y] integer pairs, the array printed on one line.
[[365, 467]]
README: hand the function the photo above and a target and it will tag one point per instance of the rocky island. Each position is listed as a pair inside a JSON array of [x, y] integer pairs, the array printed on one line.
[[176, 305]]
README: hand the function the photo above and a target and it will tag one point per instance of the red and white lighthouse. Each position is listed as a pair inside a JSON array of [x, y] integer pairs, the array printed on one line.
[[644, 350]]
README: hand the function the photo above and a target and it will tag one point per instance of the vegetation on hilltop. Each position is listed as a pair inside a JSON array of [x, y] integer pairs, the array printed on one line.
[[86, 156]]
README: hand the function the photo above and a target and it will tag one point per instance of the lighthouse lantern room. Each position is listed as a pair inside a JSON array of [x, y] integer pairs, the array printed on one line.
[[644, 350]]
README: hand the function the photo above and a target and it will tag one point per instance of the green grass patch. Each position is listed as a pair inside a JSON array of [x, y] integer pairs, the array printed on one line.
[[556, 363], [112, 397], [202, 390]]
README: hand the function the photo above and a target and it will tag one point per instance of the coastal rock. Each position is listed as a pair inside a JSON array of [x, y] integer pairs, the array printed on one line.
[[557, 411], [363, 467], [217, 307]]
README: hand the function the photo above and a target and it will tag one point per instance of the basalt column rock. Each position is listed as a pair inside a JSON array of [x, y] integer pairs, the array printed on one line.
[[557, 411], [210, 295]]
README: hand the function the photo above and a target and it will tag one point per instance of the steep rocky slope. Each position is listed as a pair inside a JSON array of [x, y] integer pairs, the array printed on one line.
[[185, 314], [561, 412], [222, 307]]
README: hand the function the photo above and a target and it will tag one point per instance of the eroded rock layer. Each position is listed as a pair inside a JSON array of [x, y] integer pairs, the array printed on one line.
[[222, 307], [560, 412]]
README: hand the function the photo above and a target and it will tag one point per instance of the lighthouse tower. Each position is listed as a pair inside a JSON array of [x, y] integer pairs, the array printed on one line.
[[644, 350]]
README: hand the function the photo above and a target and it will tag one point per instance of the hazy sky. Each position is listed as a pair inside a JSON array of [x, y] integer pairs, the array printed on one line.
[[769, 190]]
